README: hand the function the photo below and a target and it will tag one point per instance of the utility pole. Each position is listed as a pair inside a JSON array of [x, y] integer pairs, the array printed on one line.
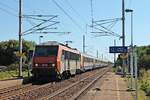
[[97, 53], [20, 37], [102, 57], [114, 54], [123, 32], [123, 23], [83, 43], [92, 19], [86, 29]]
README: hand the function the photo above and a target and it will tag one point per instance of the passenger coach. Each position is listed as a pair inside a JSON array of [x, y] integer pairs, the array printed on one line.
[[53, 60]]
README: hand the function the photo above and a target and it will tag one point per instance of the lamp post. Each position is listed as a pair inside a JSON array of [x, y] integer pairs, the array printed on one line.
[[131, 53], [40, 39], [131, 11]]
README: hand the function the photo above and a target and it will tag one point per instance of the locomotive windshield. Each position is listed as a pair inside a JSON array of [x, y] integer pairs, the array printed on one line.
[[46, 51]]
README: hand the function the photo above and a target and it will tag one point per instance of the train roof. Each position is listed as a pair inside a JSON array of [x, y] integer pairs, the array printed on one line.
[[89, 56], [55, 43]]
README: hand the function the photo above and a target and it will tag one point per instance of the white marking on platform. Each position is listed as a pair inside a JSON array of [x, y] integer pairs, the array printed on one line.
[[117, 86]]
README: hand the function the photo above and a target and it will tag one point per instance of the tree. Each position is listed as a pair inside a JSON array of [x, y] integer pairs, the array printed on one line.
[[143, 53], [119, 60], [8, 49]]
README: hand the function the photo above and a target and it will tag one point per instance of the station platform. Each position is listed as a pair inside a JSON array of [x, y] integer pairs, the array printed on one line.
[[10, 83], [110, 87]]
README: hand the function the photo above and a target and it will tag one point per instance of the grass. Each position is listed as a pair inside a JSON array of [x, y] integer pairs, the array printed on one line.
[[114, 70], [141, 95], [11, 74], [144, 77]]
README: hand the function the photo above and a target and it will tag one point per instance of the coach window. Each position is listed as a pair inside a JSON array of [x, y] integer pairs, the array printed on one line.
[[67, 54], [63, 55], [78, 57], [72, 56]]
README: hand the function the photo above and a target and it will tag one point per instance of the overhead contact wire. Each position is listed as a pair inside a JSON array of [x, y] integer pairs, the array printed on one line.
[[67, 15]]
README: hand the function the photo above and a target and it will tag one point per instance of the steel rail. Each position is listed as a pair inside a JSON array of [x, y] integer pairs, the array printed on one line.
[[8, 96], [13, 88], [74, 97], [66, 88]]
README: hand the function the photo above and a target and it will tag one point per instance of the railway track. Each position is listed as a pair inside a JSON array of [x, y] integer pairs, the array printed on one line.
[[10, 92], [73, 91], [13, 88], [79, 93], [43, 91]]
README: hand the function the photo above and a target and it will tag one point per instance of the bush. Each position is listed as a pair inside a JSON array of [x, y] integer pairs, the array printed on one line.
[[13, 67], [145, 86]]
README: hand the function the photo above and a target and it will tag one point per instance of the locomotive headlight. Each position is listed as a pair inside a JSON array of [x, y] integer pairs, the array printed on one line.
[[36, 65], [53, 65]]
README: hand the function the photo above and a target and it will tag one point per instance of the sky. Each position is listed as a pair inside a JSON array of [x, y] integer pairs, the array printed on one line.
[[75, 17]]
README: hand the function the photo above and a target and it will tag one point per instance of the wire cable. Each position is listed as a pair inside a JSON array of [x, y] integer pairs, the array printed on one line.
[[109, 31], [8, 12], [5, 5], [39, 25], [92, 19], [67, 15], [74, 10]]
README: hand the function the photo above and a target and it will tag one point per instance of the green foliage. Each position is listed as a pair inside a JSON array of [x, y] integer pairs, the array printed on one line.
[[144, 82], [12, 74], [143, 53], [119, 61], [145, 86], [114, 70], [7, 74], [8, 49], [143, 57]]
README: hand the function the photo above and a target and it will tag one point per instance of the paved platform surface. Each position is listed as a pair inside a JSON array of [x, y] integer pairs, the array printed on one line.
[[10, 83], [111, 87]]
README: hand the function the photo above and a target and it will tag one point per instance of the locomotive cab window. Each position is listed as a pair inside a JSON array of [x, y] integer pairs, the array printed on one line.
[[46, 51]]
